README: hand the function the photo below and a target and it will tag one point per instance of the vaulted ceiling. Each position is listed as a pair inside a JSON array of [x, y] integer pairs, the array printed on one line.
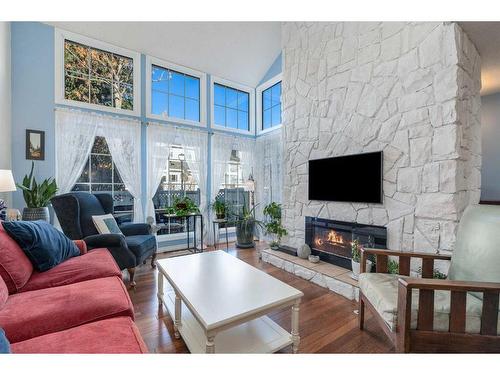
[[238, 51]]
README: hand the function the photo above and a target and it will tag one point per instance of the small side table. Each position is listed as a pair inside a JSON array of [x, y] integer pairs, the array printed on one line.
[[216, 226]]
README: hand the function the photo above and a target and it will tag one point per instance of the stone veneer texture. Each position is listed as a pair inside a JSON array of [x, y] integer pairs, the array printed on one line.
[[409, 89]]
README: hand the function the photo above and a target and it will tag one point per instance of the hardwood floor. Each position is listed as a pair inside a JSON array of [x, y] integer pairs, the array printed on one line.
[[328, 323]]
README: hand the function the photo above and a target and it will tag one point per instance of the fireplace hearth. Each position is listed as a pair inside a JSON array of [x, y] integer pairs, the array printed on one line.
[[331, 239]]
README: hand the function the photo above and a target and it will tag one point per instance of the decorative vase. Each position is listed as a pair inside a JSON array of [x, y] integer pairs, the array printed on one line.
[[244, 234], [304, 251], [356, 268], [39, 213]]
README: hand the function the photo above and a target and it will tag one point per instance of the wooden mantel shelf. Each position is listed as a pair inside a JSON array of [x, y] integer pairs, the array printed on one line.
[[326, 275]]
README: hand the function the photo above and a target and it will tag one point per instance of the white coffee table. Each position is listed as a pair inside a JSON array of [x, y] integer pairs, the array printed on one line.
[[219, 304]]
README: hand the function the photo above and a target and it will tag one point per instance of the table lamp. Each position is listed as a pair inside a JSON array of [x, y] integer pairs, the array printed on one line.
[[7, 184]]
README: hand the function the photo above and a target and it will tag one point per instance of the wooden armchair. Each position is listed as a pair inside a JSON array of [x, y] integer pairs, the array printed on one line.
[[459, 314]]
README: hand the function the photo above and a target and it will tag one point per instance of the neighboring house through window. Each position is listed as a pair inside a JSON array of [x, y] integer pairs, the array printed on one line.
[[177, 182], [100, 175]]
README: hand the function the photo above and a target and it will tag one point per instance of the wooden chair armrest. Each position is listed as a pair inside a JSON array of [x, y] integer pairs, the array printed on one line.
[[458, 307], [382, 259], [454, 286]]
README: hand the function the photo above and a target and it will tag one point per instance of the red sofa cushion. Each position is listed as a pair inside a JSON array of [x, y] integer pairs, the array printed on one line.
[[95, 264], [4, 293], [39, 312], [15, 267], [117, 335]]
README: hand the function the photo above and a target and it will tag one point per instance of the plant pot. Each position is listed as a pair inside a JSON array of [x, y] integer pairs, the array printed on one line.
[[220, 215], [356, 268], [32, 214], [245, 234], [275, 246]]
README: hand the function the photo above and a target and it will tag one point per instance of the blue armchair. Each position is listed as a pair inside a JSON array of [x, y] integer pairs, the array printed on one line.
[[74, 212]]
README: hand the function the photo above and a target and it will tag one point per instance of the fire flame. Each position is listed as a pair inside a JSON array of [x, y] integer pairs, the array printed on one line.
[[335, 237]]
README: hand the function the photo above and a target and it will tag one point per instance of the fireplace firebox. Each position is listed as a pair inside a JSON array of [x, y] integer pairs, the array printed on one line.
[[331, 239]]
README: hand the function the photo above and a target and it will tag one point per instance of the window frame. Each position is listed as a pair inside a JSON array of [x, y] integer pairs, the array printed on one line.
[[259, 91], [150, 61], [60, 37], [251, 105]]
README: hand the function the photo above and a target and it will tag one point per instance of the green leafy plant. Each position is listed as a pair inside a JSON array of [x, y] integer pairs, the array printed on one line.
[[273, 223], [220, 208], [185, 206], [356, 251], [393, 267], [37, 195], [170, 211], [436, 274]]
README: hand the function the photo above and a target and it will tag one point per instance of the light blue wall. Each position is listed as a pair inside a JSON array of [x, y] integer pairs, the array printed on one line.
[[32, 59], [490, 129], [273, 71]]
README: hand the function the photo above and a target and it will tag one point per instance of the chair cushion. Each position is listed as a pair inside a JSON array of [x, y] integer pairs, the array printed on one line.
[[15, 267], [110, 336], [4, 293], [95, 264], [39, 312], [382, 292], [44, 245], [141, 245], [477, 255]]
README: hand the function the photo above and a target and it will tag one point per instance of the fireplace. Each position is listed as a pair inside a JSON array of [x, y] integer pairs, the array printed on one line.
[[331, 239]]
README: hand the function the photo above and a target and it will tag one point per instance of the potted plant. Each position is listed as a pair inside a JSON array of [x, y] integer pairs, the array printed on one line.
[[245, 223], [185, 206], [273, 224], [219, 207], [356, 258], [37, 196]]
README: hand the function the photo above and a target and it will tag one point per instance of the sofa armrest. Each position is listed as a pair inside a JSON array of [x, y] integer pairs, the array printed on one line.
[[458, 308], [134, 229], [105, 240], [82, 246], [382, 259]]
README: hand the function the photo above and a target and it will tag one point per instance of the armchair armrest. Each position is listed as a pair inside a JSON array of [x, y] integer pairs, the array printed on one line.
[[458, 309], [135, 229], [81, 245], [382, 257], [105, 240]]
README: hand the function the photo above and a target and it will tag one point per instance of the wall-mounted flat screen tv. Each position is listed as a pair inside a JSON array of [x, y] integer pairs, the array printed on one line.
[[351, 178]]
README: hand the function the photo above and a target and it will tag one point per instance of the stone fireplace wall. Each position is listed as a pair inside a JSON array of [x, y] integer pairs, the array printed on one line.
[[409, 89]]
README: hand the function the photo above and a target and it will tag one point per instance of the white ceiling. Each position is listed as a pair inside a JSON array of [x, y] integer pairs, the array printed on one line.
[[237, 51], [486, 37]]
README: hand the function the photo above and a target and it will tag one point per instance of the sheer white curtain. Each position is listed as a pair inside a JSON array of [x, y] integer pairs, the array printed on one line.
[[195, 149], [246, 147], [123, 137], [269, 178], [222, 146], [159, 139], [75, 132]]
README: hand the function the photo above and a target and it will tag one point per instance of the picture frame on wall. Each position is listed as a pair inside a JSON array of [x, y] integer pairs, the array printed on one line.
[[35, 144]]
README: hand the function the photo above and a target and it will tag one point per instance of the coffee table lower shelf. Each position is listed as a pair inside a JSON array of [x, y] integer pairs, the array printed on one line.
[[261, 335]]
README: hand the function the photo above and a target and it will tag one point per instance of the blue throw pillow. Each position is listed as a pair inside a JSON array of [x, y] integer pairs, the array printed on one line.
[[4, 343], [44, 245]]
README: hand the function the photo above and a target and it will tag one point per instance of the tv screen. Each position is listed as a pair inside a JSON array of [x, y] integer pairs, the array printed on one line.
[[351, 178]]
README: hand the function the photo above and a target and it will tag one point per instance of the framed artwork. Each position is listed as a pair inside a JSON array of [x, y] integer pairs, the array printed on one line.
[[35, 144]]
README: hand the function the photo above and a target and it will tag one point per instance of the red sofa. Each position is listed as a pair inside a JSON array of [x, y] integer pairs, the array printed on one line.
[[79, 306]]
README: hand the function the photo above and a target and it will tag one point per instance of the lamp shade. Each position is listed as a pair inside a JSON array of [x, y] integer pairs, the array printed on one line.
[[6, 181]]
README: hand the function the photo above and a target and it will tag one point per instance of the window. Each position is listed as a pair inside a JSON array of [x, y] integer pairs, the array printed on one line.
[[100, 175], [175, 94], [177, 182], [269, 109], [96, 75], [232, 190], [271, 106], [231, 107]]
